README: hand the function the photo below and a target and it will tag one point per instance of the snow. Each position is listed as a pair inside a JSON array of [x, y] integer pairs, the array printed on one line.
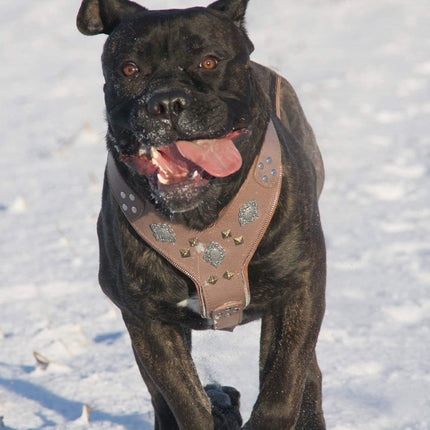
[[362, 71]]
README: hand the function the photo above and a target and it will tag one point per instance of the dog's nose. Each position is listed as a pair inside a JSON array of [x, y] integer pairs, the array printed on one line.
[[168, 103]]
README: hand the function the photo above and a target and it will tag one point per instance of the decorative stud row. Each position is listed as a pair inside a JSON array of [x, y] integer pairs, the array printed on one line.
[[128, 199], [214, 279], [227, 312], [261, 166], [214, 253]]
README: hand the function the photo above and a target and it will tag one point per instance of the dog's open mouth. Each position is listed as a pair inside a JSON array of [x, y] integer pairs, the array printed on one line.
[[185, 161]]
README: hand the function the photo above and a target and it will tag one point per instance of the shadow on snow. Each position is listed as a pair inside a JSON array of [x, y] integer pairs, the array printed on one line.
[[69, 409]]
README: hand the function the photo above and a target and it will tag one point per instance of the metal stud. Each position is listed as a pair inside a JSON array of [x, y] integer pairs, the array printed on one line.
[[194, 241], [214, 254], [269, 160], [261, 166], [132, 197], [274, 172], [185, 253], [228, 275], [238, 240], [212, 280], [249, 212], [226, 234], [134, 209], [124, 207], [123, 195], [265, 178], [163, 233]]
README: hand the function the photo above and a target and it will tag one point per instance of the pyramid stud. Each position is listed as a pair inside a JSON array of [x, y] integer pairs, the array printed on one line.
[[226, 234], [238, 240], [194, 241], [212, 280], [185, 253], [228, 275]]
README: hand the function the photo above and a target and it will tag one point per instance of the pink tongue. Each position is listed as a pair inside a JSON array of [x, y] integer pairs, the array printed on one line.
[[219, 157]]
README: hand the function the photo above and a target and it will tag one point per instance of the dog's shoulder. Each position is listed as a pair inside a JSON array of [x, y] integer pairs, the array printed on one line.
[[292, 116]]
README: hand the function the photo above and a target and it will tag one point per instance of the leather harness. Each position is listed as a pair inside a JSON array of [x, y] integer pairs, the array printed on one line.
[[215, 259]]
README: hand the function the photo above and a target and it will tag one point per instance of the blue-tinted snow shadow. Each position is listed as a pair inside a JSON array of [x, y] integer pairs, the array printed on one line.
[[108, 338], [69, 409], [359, 398]]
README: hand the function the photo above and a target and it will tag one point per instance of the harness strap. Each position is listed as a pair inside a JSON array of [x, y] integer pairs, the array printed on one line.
[[275, 93]]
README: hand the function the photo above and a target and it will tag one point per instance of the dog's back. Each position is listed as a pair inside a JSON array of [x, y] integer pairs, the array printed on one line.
[[293, 118]]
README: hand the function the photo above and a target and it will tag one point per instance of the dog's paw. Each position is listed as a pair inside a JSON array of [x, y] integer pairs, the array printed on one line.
[[225, 407]]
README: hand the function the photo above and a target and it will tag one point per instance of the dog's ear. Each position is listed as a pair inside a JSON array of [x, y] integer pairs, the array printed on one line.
[[102, 16], [234, 9]]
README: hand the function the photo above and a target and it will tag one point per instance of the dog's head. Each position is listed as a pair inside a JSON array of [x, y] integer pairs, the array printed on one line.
[[180, 106]]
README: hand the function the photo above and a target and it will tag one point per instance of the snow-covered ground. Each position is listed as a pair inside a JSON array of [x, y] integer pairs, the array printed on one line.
[[362, 71]]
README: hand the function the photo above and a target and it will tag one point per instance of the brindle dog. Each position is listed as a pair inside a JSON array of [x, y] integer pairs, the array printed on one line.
[[175, 78]]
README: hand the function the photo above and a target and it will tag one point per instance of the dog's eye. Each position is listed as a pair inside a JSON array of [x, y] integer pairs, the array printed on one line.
[[130, 69], [209, 63]]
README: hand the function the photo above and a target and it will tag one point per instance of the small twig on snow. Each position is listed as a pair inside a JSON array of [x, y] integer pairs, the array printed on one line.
[[41, 360]]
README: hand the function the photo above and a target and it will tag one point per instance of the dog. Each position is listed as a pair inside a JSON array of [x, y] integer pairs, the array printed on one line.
[[209, 213]]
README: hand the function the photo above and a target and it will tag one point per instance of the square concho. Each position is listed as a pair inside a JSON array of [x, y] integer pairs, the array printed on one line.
[[163, 233], [248, 213], [214, 254]]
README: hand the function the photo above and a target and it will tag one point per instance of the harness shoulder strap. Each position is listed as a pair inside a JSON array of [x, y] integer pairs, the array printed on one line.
[[275, 93]]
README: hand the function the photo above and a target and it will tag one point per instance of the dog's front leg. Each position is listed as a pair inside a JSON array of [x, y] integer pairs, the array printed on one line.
[[166, 365], [163, 355], [164, 418], [288, 337]]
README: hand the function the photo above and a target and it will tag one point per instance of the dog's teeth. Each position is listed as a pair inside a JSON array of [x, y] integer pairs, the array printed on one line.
[[162, 179], [195, 174], [154, 152], [163, 170], [154, 155], [141, 152]]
